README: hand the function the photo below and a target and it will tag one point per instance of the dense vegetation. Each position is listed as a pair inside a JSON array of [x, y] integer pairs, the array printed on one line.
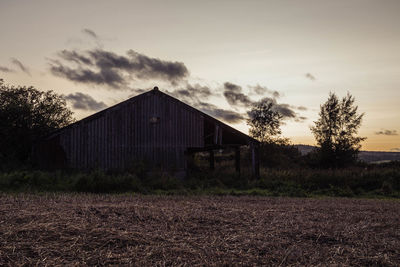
[[362, 181]]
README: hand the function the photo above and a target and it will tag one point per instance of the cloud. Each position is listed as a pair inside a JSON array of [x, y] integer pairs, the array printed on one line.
[[222, 114], [285, 110], [5, 69], [20, 65], [396, 149], [262, 90], [84, 102], [155, 68], [90, 33], [387, 132], [108, 77], [192, 93], [300, 119], [302, 108], [75, 57], [310, 76], [101, 67], [195, 95], [233, 94], [236, 98]]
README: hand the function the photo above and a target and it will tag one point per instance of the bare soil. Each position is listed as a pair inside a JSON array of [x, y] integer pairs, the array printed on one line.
[[150, 230]]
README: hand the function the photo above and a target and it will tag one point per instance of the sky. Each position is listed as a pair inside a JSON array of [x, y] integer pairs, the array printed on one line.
[[219, 56]]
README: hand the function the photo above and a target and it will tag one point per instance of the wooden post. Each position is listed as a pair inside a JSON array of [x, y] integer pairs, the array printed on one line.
[[212, 167], [216, 135], [237, 159], [255, 161]]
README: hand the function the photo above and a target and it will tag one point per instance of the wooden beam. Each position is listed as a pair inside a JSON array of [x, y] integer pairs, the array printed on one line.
[[216, 134]]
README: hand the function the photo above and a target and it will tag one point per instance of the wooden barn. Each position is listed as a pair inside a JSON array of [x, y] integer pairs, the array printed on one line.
[[152, 127]]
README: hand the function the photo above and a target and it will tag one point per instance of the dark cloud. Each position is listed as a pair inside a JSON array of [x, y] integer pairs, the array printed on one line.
[[90, 33], [20, 65], [222, 114], [302, 108], [387, 132], [396, 149], [108, 77], [84, 102], [75, 57], [136, 91], [195, 96], [259, 90], [300, 119], [285, 110], [5, 69], [148, 68], [310, 76], [192, 94], [233, 94], [102, 67], [262, 90], [236, 98]]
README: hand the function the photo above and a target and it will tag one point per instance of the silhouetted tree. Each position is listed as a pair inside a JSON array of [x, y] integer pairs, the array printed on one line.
[[274, 151], [25, 115], [265, 122], [336, 131]]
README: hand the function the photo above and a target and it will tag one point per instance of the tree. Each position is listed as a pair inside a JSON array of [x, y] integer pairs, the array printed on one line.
[[336, 131], [274, 151], [27, 114], [264, 122]]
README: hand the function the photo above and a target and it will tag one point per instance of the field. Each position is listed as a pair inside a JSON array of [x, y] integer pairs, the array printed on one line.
[[85, 229]]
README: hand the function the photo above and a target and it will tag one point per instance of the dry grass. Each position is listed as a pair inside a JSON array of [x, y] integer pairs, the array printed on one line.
[[125, 230]]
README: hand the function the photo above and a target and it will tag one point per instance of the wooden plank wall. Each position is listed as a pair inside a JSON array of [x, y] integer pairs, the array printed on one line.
[[124, 134]]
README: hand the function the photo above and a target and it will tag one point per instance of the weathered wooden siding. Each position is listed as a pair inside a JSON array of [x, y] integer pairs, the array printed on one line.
[[123, 134]]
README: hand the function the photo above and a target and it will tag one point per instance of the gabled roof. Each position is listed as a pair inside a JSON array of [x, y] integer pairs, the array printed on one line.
[[156, 91]]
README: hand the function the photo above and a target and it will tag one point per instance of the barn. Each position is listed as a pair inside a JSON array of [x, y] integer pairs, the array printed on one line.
[[153, 127]]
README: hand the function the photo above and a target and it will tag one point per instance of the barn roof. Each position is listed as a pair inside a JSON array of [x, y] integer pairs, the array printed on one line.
[[156, 91]]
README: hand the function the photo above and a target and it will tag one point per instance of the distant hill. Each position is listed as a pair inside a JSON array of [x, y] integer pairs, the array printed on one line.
[[378, 156], [367, 156], [305, 149]]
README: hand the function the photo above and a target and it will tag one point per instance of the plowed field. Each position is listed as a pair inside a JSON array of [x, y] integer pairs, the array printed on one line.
[[149, 230]]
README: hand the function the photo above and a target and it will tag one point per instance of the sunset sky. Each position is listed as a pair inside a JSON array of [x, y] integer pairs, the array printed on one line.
[[219, 56]]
